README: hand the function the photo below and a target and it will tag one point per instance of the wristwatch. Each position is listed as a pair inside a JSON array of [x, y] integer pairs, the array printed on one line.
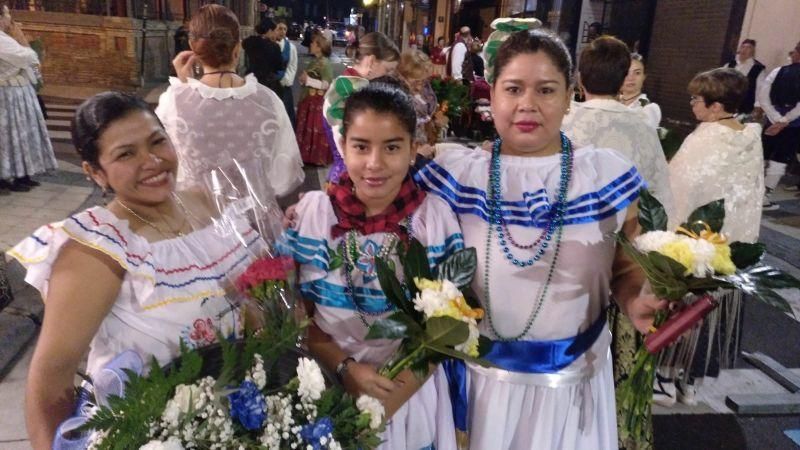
[[341, 368]]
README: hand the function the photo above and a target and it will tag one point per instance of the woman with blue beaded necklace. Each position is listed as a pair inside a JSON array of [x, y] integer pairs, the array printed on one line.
[[542, 216]]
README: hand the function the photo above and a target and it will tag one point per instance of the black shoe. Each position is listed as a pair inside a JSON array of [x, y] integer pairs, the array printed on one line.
[[18, 186], [28, 181]]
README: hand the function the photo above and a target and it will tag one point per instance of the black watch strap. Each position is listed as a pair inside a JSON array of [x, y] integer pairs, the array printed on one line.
[[341, 368]]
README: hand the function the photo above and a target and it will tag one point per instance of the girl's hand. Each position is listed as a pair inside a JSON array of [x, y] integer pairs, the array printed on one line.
[[364, 379], [184, 64], [641, 311]]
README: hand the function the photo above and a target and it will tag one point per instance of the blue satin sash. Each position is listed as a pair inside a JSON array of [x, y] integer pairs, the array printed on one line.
[[521, 356]]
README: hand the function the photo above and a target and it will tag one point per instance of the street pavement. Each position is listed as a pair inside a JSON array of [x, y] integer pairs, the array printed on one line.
[[710, 424]]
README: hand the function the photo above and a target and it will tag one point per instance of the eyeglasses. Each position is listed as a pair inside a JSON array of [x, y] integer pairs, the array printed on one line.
[[694, 99]]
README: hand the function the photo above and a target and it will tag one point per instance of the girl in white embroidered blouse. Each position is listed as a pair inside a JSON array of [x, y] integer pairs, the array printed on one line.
[[141, 273]]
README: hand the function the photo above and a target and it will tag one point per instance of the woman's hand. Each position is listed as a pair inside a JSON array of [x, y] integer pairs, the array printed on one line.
[[363, 379], [642, 310], [302, 78], [184, 65]]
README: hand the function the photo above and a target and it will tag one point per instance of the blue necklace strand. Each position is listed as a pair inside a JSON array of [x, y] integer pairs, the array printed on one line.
[[554, 226]]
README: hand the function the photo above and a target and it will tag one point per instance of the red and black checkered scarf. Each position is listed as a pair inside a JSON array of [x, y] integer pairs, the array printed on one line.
[[352, 213]]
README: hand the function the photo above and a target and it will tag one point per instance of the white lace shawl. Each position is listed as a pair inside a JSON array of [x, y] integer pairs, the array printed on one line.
[[716, 162], [212, 126], [610, 124]]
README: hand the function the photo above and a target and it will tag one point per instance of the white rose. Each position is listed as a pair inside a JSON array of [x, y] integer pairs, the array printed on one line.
[[703, 252], [450, 290], [171, 444], [181, 403], [373, 407], [312, 383], [652, 241], [429, 301]]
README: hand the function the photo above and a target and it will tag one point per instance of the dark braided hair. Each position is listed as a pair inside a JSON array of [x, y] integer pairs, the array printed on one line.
[[383, 97]]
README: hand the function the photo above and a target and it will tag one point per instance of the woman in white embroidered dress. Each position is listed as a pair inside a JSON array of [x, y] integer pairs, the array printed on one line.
[[219, 116], [721, 159], [604, 122], [25, 147], [631, 94], [542, 215], [136, 274], [374, 208]]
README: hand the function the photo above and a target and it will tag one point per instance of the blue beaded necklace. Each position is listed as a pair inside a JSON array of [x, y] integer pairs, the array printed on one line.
[[554, 226]]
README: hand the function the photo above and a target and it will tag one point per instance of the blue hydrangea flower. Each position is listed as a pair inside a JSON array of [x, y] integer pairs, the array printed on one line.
[[315, 431], [248, 406]]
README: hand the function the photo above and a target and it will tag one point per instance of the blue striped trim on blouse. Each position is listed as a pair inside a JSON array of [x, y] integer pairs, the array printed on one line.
[[532, 210], [325, 293]]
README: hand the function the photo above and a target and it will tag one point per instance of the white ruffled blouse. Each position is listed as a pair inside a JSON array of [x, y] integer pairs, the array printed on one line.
[[172, 289], [210, 127], [717, 162]]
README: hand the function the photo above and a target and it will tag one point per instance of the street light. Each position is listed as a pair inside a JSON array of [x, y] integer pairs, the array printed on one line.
[[368, 3]]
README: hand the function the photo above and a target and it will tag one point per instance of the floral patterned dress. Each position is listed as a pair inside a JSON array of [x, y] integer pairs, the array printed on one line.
[[172, 289]]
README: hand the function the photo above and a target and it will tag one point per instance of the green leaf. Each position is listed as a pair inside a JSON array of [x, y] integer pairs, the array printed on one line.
[[387, 329], [471, 297], [772, 298], [459, 267], [415, 265], [446, 331], [669, 282], [770, 277], [343, 86], [391, 287], [652, 216], [745, 254], [453, 353], [711, 214], [484, 345]]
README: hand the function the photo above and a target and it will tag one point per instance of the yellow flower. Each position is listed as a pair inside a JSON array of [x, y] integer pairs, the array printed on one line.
[[722, 262], [679, 251], [424, 283], [465, 310]]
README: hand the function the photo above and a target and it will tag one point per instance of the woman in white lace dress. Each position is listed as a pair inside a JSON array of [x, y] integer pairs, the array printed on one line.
[[720, 159], [631, 94], [141, 273], [25, 147], [219, 116]]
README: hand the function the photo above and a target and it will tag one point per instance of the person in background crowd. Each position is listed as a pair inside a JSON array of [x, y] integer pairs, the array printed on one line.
[[220, 116], [476, 59], [289, 55], [415, 70], [263, 56], [458, 53], [328, 33], [746, 63], [720, 159], [594, 31], [375, 57], [308, 31], [779, 97], [315, 80], [604, 122], [181, 37], [439, 57], [25, 147], [631, 94]]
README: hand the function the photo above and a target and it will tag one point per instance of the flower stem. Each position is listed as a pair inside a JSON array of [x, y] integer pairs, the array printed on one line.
[[394, 370]]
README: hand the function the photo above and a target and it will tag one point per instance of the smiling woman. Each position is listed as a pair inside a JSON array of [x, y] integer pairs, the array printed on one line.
[[151, 263]]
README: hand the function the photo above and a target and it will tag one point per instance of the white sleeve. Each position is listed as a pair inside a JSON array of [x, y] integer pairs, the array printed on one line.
[[291, 66], [15, 54], [285, 166], [435, 225], [459, 52], [317, 84], [759, 83], [763, 97], [652, 114]]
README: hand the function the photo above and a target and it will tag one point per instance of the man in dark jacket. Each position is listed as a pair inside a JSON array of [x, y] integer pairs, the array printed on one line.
[[746, 64], [263, 55]]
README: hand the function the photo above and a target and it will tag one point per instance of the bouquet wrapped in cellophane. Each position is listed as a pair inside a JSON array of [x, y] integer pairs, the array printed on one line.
[[686, 267], [255, 389]]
